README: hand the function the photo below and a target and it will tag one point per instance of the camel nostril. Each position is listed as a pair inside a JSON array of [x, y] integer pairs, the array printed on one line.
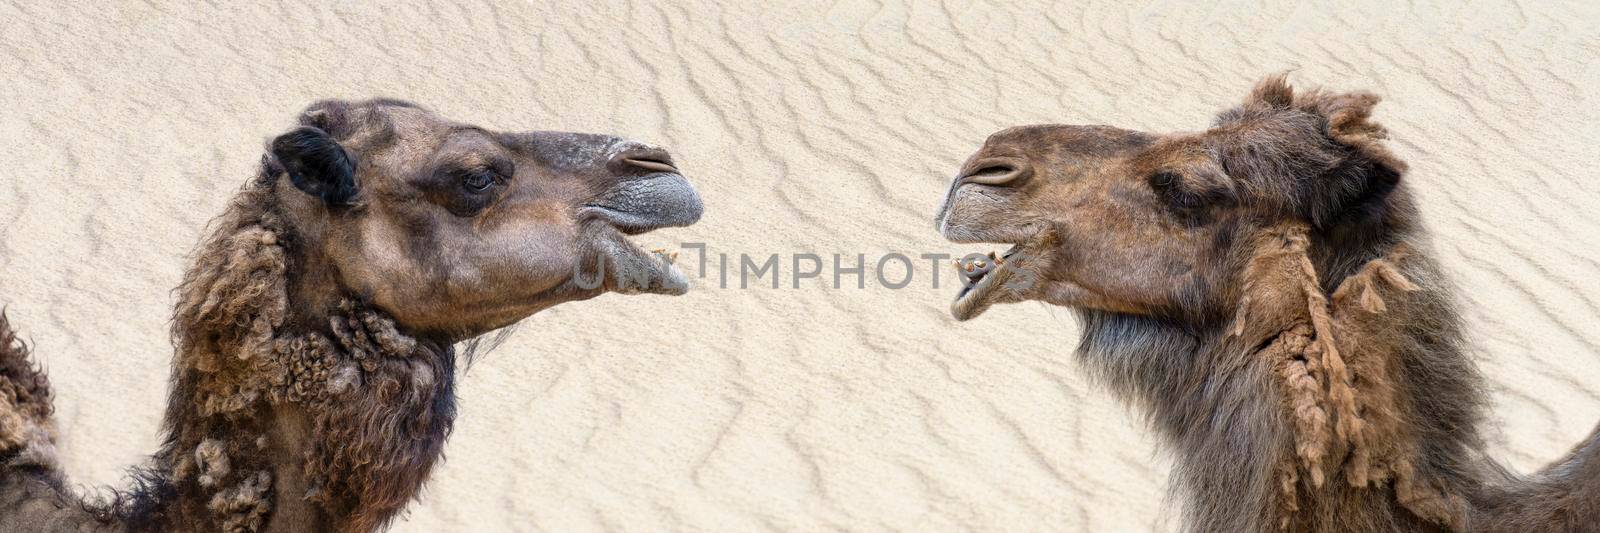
[[651, 159], [658, 165], [994, 173]]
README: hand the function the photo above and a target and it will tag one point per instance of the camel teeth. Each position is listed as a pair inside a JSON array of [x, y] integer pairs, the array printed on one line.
[[659, 251], [672, 257]]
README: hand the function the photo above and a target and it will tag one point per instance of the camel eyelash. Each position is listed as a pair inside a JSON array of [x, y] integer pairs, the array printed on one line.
[[1183, 196], [1164, 181], [1168, 185]]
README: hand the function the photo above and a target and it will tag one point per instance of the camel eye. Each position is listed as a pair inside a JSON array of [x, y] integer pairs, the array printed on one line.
[[478, 180], [1168, 186], [1163, 181]]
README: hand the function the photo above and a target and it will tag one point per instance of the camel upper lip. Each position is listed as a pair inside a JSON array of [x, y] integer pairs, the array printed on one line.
[[652, 201]]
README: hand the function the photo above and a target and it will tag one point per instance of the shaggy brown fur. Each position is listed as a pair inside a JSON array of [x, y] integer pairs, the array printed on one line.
[[299, 401], [1263, 290]]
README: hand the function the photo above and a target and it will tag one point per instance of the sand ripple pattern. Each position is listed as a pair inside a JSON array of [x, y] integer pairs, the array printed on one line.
[[825, 128]]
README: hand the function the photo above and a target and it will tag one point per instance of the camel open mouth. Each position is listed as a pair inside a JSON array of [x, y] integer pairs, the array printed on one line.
[[982, 278], [637, 271], [639, 205], [624, 267]]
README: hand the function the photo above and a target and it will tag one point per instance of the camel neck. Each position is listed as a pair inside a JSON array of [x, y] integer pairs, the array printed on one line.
[[287, 414], [1358, 403], [331, 428]]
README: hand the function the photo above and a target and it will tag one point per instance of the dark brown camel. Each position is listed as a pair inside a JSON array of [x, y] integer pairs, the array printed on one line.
[[1264, 290], [314, 368]]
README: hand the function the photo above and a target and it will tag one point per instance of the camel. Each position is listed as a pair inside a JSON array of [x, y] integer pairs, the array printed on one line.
[[1264, 292], [315, 332]]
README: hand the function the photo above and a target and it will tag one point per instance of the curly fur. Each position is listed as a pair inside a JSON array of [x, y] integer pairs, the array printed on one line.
[[298, 400], [313, 378], [27, 434], [378, 403]]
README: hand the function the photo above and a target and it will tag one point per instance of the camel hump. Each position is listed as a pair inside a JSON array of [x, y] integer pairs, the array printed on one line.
[[27, 434], [33, 492], [1564, 496]]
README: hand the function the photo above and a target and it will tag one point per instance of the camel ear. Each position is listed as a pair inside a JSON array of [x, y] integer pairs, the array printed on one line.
[[1320, 145], [317, 164], [1356, 188]]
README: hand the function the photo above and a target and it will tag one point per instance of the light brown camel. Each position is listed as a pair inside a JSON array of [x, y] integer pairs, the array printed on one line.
[[1264, 290], [312, 384]]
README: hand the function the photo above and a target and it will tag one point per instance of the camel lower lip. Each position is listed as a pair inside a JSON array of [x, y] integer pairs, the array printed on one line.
[[972, 299], [619, 265], [636, 271]]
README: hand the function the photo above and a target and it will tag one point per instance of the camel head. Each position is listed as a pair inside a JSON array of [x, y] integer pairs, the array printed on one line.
[[1163, 225], [456, 230]]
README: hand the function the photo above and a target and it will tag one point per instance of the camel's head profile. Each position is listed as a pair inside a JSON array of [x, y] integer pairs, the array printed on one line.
[[1164, 225], [456, 230]]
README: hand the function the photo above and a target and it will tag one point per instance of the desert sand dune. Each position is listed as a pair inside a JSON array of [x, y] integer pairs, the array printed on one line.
[[827, 128]]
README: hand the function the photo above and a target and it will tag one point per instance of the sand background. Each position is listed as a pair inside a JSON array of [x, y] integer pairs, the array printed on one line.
[[817, 128]]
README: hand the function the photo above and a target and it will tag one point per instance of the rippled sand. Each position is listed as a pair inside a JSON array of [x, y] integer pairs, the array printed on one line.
[[808, 129]]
